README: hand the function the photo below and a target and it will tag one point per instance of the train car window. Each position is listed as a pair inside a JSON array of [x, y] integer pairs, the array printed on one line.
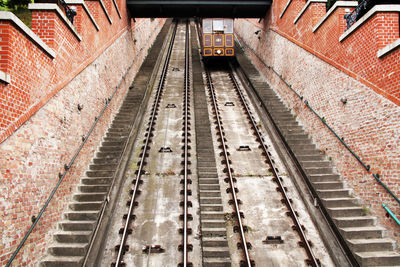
[[218, 25], [207, 25], [228, 25]]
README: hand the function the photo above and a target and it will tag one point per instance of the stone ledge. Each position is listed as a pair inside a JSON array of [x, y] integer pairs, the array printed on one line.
[[6, 15], [305, 8], [105, 11], [116, 7], [389, 48], [375, 9], [82, 2], [332, 9], [5, 77], [284, 10], [55, 8]]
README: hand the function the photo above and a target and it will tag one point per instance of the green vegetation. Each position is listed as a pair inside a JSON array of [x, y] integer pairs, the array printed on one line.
[[19, 8], [366, 210]]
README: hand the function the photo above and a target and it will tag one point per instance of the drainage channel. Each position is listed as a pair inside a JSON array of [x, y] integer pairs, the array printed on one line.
[[152, 223], [266, 221]]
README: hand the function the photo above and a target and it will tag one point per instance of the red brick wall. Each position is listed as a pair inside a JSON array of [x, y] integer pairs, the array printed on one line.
[[40, 125], [324, 70]]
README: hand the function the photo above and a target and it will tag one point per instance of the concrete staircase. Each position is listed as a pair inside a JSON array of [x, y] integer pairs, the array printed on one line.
[[75, 230], [367, 241], [72, 238], [212, 219]]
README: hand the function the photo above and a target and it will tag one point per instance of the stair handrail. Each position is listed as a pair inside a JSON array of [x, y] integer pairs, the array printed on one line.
[[322, 119]]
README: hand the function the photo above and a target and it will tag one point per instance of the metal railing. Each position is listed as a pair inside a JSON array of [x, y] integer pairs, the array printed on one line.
[[352, 17], [70, 12]]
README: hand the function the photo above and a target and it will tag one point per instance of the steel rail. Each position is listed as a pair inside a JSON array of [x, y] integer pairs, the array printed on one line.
[[228, 166], [186, 148], [142, 160], [303, 237]]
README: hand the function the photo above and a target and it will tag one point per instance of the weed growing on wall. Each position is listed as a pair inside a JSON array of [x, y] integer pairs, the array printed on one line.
[[19, 8]]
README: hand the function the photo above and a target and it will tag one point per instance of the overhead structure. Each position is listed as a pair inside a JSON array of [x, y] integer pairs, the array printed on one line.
[[201, 9]]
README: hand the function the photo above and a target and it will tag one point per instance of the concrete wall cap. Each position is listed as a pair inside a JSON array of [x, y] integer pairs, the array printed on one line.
[[105, 11], [375, 9], [5, 77], [284, 10], [305, 8], [81, 2], [332, 9], [6, 15], [54, 7], [389, 48], [116, 7]]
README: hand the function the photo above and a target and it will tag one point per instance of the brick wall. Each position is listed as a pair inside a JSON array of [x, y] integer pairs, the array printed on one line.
[[53, 68], [324, 70]]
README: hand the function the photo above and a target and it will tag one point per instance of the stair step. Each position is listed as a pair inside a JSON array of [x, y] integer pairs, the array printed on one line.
[[68, 261], [99, 173], [97, 181], [365, 245], [352, 211], [210, 193], [328, 185], [306, 152], [334, 193], [355, 221], [208, 181], [216, 241], [363, 232], [110, 149], [318, 170], [215, 252], [72, 236], [209, 186], [315, 164], [213, 232], [102, 167], [211, 207], [316, 178], [207, 223], [113, 143], [77, 225], [210, 200], [212, 215], [89, 197], [80, 206], [113, 161], [217, 262], [109, 155], [81, 215], [69, 249], [380, 258], [339, 202], [93, 188]]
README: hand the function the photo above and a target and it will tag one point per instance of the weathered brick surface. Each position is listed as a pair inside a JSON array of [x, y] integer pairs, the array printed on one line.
[[40, 125], [324, 71]]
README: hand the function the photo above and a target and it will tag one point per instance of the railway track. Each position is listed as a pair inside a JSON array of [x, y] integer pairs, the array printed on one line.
[[122, 248], [227, 79], [158, 227]]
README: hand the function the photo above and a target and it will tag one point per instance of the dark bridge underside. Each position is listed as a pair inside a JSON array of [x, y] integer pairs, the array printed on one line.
[[204, 9]]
